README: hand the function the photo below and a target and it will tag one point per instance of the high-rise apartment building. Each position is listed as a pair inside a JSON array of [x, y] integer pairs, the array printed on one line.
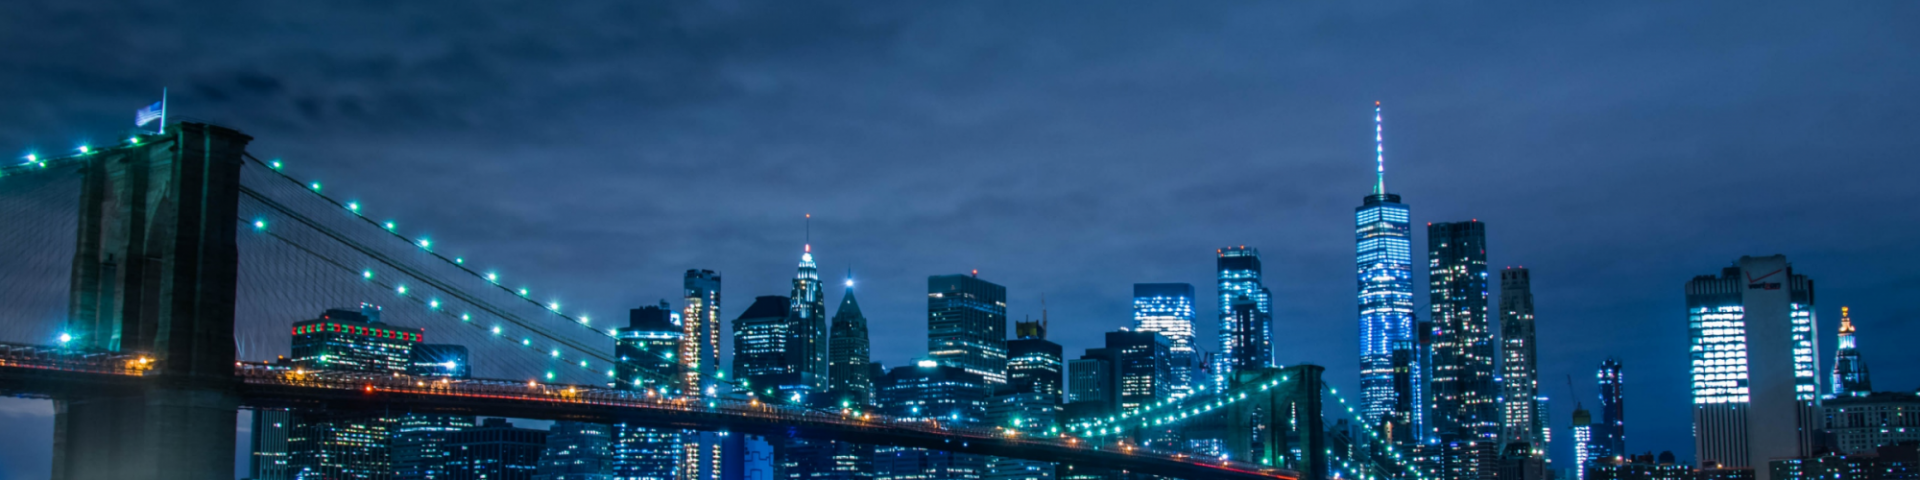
[[1755, 373], [1035, 364], [1611, 433], [848, 371], [1242, 337], [967, 325], [1465, 393], [1519, 368], [1384, 269], [1167, 308], [807, 316], [1849, 370]]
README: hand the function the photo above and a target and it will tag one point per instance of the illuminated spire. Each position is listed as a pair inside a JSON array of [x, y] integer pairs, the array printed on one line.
[[1846, 323], [1380, 153]]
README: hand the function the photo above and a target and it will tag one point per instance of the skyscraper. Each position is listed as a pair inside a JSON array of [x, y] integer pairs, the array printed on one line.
[[1755, 379], [1167, 308], [1142, 368], [1583, 454], [700, 366], [1384, 268], [645, 352], [1239, 275], [1611, 433], [1465, 395], [761, 336], [807, 316], [847, 363], [1035, 364], [967, 325], [1519, 372], [1849, 370]]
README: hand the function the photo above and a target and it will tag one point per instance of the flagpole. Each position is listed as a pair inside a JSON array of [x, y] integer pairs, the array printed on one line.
[[163, 112]]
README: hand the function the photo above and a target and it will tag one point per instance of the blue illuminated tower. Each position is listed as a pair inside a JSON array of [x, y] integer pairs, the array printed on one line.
[[1240, 272], [1167, 308], [1384, 268]]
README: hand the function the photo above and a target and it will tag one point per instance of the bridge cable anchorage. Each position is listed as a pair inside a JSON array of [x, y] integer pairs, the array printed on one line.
[[278, 168]]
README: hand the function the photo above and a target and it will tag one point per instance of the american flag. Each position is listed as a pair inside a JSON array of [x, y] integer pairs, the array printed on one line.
[[156, 111]]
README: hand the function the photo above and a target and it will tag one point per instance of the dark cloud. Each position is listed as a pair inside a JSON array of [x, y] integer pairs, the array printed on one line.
[[1067, 149]]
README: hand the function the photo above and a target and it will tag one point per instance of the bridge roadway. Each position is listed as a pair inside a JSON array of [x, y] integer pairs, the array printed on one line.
[[38, 371]]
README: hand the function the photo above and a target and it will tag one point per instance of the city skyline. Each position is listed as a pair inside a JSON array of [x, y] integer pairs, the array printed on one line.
[[1536, 139]]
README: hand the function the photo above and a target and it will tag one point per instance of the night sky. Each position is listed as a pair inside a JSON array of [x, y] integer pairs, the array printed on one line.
[[1064, 149]]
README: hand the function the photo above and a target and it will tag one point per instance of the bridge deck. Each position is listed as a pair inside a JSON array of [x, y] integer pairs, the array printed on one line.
[[27, 370]]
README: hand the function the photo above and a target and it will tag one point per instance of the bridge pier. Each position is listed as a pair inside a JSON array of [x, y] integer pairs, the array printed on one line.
[[154, 271]]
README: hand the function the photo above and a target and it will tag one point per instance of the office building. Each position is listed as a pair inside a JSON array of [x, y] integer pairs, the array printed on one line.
[[1092, 382], [1642, 467], [645, 350], [1384, 268], [577, 451], [1242, 335], [761, 336], [1250, 331], [1030, 414], [420, 450], [1142, 368], [1167, 308], [1610, 435], [700, 366], [807, 322], [945, 394], [268, 437], [1519, 369], [1583, 454], [1849, 370], [347, 444], [1890, 462], [1857, 424], [496, 450], [1035, 364], [1755, 373], [848, 372], [1465, 395], [967, 325]]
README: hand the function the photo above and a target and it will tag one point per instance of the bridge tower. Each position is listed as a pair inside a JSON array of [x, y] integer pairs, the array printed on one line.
[[154, 271], [1279, 426]]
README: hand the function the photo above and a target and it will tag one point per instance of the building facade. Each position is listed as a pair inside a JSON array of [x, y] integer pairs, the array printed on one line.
[[645, 350], [347, 445], [1755, 380], [1519, 366], [577, 451], [1465, 394], [761, 336], [1610, 435], [420, 441], [1858, 424], [1242, 334], [1167, 308], [700, 365], [807, 323], [1035, 364], [848, 372], [1849, 370], [967, 325], [496, 450], [1383, 240], [945, 394]]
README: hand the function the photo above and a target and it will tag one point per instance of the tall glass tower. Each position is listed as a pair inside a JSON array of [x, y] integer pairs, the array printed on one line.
[[1384, 269], [1611, 433], [1239, 269], [848, 371], [967, 325], [1465, 396], [1167, 308]]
